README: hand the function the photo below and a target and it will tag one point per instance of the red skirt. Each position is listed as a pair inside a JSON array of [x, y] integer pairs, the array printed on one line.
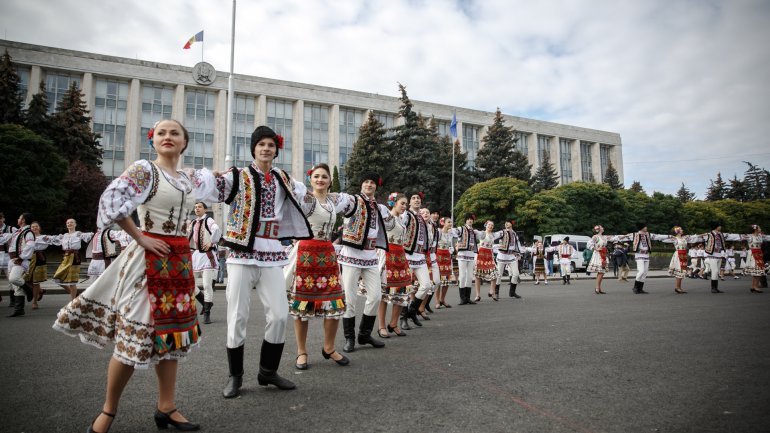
[[171, 287], [444, 260], [486, 268], [397, 269], [317, 277]]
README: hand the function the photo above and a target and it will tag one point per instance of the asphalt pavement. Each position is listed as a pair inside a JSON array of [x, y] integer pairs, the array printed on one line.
[[561, 359]]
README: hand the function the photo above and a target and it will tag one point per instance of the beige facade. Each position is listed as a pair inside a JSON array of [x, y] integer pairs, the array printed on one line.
[[315, 119]]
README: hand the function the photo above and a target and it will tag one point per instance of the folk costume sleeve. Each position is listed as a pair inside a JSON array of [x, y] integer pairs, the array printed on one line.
[[206, 186], [125, 193]]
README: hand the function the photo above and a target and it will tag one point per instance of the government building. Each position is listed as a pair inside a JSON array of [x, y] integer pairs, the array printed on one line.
[[125, 97]]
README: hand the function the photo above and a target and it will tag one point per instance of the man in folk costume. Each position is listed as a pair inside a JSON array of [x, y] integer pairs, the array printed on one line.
[[363, 230], [204, 234], [716, 244], [416, 246], [565, 251], [431, 220], [105, 246], [20, 251], [509, 250], [6, 232], [641, 246], [263, 211], [467, 247]]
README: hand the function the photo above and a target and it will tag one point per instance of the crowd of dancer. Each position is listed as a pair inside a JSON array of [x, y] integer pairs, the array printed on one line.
[[147, 276]]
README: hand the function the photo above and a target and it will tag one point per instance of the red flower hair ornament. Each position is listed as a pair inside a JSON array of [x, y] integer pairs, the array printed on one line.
[[279, 142]]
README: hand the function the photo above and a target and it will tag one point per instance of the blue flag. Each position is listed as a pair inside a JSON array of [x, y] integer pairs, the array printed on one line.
[[453, 125]]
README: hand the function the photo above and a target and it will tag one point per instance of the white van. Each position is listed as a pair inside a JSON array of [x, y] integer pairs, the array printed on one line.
[[579, 242]]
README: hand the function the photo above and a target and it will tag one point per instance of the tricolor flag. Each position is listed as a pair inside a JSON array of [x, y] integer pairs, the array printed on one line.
[[197, 38], [453, 125]]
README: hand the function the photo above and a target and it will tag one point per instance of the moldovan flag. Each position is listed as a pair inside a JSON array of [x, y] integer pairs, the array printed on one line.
[[197, 38]]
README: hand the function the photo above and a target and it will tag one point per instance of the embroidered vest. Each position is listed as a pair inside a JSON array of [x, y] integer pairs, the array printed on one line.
[[245, 200], [638, 238], [415, 228], [712, 242], [200, 234], [358, 221], [166, 207], [509, 241], [109, 247], [467, 240]]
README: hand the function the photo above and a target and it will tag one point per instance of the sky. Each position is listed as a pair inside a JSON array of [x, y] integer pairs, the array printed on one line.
[[680, 80]]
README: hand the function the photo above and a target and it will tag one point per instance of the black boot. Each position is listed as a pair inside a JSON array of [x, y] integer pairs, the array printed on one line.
[[641, 288], [207, 312], [512, 291], [427, 304], [403, 322], [12, 298], [564, 280], [468, 291], [365, 332], [412, 310], [18, 307], [497, 292], [235, 362], [200, 298], [349, 329], [28, 292], [463, 299], [269, 359], [568, 282], [714, 287], [636, 287]]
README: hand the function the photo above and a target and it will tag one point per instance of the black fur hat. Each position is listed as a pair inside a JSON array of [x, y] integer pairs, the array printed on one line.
[[265, 132]]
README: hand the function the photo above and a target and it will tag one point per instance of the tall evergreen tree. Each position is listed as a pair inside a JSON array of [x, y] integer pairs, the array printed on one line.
[[717, 189], [611, 177], [636, 187], [684, 195], [71, 130], [371, 152], [10, 98], [37, 118], [440, 197], [496, 156], [755, 181], [336, 180], [545, 177], [520, 167], [737, 190]]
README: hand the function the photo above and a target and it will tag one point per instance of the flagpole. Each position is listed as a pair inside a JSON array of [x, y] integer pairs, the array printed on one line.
[[453, 130], [229, 138]]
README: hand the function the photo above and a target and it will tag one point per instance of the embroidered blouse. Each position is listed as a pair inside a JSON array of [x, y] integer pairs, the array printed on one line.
[[68, 241], [322, 216]]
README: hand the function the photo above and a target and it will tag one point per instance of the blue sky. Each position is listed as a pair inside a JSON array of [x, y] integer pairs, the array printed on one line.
[[683, 82]]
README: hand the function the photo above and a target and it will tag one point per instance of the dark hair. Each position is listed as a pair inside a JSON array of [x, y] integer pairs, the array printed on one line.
[[185, 133], [260, 133], [321, 165], [28, 218], [399, 196], [203, 204]]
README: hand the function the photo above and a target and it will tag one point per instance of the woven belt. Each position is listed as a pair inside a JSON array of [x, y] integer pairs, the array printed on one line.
[[370, 244], [267, 230]]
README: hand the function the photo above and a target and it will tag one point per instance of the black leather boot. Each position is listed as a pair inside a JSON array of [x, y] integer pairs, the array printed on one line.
[[200, 298], [11, 297], [28, 292], [269, 359], [365, 332], [427, 304], [715, 287], [463, 299], [564, 280], [497, 292], [235, 363], [349, 329], [468, 296], [512, 291], [207, 312], [412, 310], [641, 288], [636, 287], [402, 320], [568, 282], [18, 307]]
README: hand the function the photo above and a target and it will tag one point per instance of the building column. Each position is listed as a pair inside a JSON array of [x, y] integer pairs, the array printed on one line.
[[133, 137], [557, 161], [596, 163], [260, 111], [35, 77], [87, 87], [532, 151], [577, 174], [334, 136], [616, 155], [178, 107], [298, 143]]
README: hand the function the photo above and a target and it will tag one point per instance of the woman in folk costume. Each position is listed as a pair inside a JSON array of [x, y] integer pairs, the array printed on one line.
[[678, 265], [599, 260], [313, 274], [444, 260], [538, 258], [144, 301], [486, 268], [729, 266], [68, 273], [755, 261], [38, 269], [396, 275]]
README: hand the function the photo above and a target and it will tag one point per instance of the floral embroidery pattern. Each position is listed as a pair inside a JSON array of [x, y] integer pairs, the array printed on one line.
[[169, 225], [267, 194], [138, 177], [148, 224]]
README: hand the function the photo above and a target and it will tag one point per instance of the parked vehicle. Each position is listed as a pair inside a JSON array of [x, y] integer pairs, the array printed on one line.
[[578, 242]]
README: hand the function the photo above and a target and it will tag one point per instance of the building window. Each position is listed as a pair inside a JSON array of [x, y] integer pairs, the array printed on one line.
[[157, 102], [243, 126], [109, 117], [316, 133], [543, 146], [56, 85], [604, 156], [350, 123], [585, 161], [565, 159], [388, 121], [442, 128], [280, 115], [199, 120], [521, 142], [23, 84], [471, 144]]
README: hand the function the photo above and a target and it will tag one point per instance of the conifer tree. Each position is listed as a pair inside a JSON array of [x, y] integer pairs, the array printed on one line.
[[636, 187], [737, 190], [717, 189], [755, 181], [336, 180], [371, 152], [71, 130], [684, 194], [496, 157], [520, 167], [545, 177], [10, 98], [37, 118], [611, 177]]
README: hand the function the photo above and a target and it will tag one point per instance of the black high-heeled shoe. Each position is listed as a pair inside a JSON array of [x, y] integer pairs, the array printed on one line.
[[91, 427], [163, 419], [396, 330], [342, 361], [302, 366]]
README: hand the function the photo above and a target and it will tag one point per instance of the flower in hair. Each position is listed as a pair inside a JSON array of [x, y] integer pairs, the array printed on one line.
[[309, 172], [151, 134], [279, 141]]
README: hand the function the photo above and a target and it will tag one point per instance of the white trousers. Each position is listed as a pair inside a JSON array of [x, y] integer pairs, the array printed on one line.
[[465, 268], [16, 279], [513, 271], [565, 267], [642, 266], [270, 284], [372, 283], [205, 279], [423, 277], [435, 273], [714, 264]]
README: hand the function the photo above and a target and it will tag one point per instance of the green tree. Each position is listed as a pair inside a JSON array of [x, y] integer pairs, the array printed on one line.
[[717, 189], [546, 212], [37, 118], [10, 97], [496, 157], [32, 177], [664, 211], [520, 168], [499, 200], [636, 187], [755, 181], [737, 191], [611, 177], [71, 130], [545, 177], [463, 177], [371, 152], [592, 204], [336, 180], [697, 215], [684, 194], [85, 185], [738, 217]]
